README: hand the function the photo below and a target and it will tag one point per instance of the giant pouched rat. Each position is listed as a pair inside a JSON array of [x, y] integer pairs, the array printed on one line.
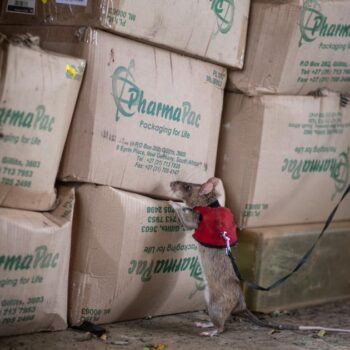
[[223, 294]]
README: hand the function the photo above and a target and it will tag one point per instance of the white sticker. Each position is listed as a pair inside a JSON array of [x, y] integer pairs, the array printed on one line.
[[21, 6], [72, 2]]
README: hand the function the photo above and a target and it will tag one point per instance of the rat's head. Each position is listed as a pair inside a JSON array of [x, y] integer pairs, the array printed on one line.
[[196, 195]]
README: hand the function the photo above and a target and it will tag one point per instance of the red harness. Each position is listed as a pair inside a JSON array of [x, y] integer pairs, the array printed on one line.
[[215, 221]]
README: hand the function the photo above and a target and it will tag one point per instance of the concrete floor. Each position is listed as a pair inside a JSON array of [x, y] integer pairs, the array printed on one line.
[[177, 332]]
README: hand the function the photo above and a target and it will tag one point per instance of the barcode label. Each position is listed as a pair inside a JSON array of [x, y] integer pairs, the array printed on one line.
[[22, 6], [72, 2]]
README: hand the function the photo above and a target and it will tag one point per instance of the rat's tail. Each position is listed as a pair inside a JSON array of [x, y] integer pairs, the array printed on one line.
[[247, 314], [262, 323]]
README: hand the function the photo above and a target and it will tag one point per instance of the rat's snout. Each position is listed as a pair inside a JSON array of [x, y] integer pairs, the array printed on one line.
[[178, 189]]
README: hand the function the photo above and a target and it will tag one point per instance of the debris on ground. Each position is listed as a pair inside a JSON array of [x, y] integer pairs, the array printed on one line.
[[177, 332]]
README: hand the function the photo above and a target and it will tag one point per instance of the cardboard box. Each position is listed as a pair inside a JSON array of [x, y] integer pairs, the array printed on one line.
[[116, 130], [130, 259], [37, 100], [266, 254], [284, 159], [295, 47], [144, 117], [213, 30], [34, 264]]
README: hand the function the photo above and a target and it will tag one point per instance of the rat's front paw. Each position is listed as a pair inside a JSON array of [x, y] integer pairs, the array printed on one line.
[[175, 205]]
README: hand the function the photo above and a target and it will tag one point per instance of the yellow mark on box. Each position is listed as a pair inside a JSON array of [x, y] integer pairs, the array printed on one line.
[[70, 70]]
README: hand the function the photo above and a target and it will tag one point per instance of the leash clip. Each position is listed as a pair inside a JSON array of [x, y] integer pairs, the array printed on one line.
[[227, 240]]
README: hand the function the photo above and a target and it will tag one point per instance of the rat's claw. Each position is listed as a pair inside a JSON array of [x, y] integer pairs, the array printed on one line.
[[204, 324], [174, 205], [212, 333]]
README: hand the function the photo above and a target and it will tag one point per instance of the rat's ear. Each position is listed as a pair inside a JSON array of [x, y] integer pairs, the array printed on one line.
[[208, 186], [214, 180]]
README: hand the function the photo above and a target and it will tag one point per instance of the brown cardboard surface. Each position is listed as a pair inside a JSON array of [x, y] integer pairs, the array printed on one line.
[[144, 117], [195, 87], [295, 47], [34, 264], [38, 93], [213, 30], [284, 159], [130, 258], [266, 254]]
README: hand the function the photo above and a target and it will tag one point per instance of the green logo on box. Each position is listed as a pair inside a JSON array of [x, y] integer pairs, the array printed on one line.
[[224, 11], [338, 169], [200, 284], [129, 99], [313, 23], [340, 173], [124, 91]]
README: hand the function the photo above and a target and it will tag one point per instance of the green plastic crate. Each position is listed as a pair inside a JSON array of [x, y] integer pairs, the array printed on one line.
[[266, 254]]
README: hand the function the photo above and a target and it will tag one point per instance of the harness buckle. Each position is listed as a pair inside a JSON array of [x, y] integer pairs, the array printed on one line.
[[227, 240]]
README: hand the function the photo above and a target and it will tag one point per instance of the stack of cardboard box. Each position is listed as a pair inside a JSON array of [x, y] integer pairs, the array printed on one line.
[[38, 95], [284, 155], [146, 115]]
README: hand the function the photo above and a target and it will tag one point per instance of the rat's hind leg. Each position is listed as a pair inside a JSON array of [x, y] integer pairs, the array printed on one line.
[[218, 312]]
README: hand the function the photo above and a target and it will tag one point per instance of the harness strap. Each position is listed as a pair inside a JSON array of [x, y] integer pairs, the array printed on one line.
[[302, 261], [228, 243]]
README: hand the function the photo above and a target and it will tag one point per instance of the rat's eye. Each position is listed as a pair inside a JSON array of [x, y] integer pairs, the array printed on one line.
[[187, 188]]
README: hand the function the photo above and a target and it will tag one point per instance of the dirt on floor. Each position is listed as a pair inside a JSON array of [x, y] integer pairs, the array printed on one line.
[[177, 332]]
